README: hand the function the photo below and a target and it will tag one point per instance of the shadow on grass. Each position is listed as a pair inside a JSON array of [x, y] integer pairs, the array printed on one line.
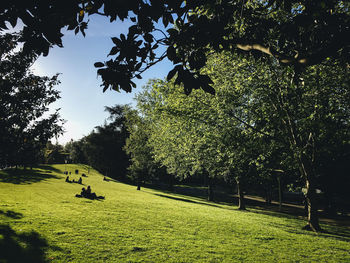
[[186, 200], [295, 217], [337, 233], [28, 176], [49, 168], [22, 247], [11, 214], [199, 192]]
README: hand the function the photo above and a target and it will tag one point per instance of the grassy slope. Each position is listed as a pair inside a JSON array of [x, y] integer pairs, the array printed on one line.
[[146, 226]]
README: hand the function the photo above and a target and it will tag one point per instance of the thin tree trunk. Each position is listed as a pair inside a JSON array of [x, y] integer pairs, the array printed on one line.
[[171, 183], [312, 213], [268, 194], [210, 190], [330, 208], [241, 202], [279, 193], [138, 184]]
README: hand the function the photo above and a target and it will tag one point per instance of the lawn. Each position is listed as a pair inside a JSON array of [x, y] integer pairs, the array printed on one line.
[[41, 220]]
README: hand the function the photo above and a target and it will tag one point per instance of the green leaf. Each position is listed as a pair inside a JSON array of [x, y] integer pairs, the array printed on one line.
[[99, 65], [116, 40], [172, 72], [171, 53], [208, 89], [113, 51]]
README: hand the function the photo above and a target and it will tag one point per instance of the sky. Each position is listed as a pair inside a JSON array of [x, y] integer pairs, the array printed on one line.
[[82, 101]]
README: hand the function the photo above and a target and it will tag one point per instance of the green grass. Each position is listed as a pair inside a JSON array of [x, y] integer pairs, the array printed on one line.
[[41, 220]]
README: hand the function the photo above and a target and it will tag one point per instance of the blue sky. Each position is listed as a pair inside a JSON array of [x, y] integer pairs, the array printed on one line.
[[82, 100]]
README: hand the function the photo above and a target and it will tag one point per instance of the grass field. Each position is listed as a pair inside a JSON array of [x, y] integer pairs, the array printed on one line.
[[41, 220]]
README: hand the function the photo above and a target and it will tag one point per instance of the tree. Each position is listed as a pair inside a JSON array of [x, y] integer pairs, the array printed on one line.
[[24, 129], [103, 147], [54, 153], [76, 151], [304, 120], [259, 119], [143, 165], [193, 134], [296, 33]]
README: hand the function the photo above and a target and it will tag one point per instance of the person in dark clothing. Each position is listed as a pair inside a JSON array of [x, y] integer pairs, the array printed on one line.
[[83, 192], [88, 194]]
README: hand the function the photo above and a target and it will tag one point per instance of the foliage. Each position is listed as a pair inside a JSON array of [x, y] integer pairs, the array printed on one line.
[[25, 127], [143, 167], [76, 151], [193, 135], [54, 153], [297, 33], [103, 147], [259, 121]]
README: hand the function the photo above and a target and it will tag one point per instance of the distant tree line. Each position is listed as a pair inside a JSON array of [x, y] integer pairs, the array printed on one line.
[[103, 147], [118, 149]]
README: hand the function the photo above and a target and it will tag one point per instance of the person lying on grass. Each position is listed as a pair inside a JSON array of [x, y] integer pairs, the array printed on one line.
[[86, 193]]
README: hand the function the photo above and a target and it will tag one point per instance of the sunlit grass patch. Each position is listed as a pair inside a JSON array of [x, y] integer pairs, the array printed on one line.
[[152, 226]]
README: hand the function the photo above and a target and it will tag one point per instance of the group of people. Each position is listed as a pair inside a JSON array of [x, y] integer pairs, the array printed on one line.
[[80, 181], [86, 193]]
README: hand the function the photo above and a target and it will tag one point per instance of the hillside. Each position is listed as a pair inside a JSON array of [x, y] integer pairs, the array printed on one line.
[[41, 220]]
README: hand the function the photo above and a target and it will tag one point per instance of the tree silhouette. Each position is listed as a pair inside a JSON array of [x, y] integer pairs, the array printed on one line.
[[24, 130], [297, 33]]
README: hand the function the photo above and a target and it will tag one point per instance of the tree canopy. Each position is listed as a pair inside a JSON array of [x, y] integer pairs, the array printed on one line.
[[25, 125], [298, 33], [258, 126]]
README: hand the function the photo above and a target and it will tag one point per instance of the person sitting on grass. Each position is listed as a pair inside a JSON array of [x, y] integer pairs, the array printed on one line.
[[82, 193], [88, 190], [86, 193], [69, 181], [80, 181]]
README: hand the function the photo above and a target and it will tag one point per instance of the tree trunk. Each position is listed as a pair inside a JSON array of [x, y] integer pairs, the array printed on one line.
[[268, 197], [138, 184], [312, 214], [171, 183], [330, 208], [241, 202], [311, 202], [279, 193], [210, 190]]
